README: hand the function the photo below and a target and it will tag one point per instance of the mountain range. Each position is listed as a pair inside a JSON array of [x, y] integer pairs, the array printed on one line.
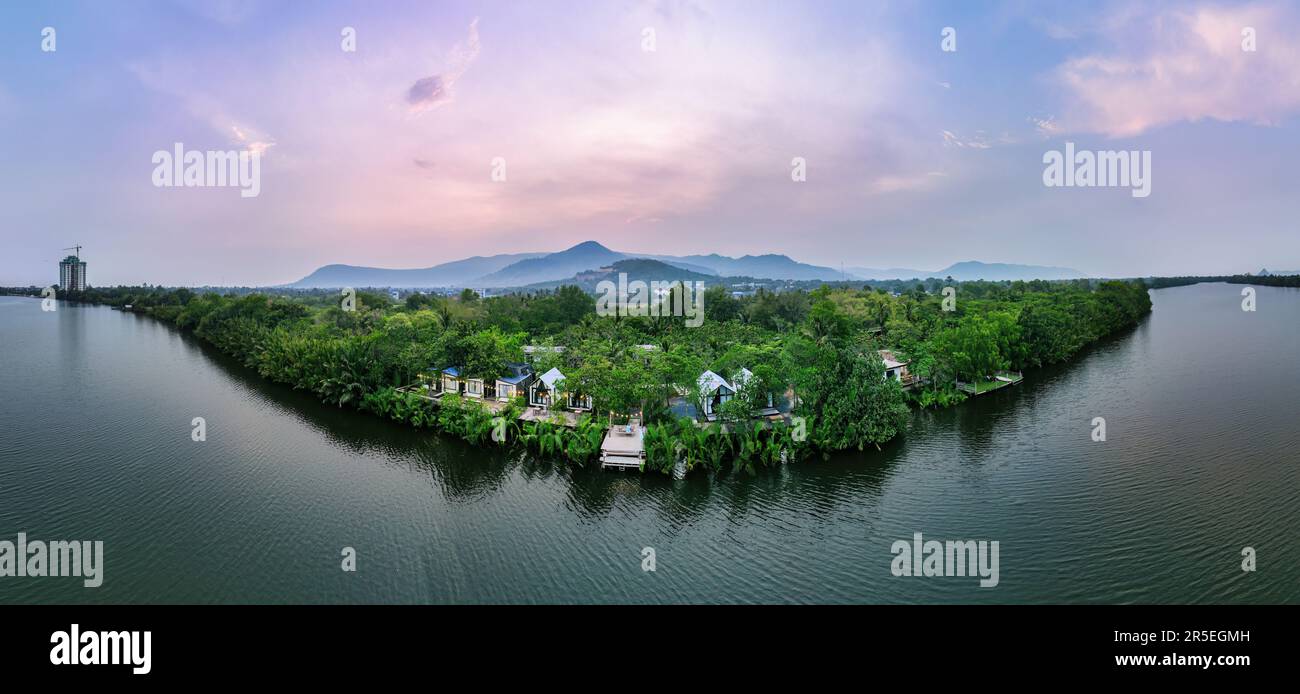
[[528, 269], [644, 269]]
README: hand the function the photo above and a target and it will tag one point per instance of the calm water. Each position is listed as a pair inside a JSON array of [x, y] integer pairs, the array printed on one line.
[[1202, 459]]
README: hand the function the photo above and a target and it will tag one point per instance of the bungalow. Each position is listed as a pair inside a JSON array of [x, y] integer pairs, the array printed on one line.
[[516, 381], [714, 391], [894, 369], [578, 402], [453, 381], [546, 390], [541, 392]]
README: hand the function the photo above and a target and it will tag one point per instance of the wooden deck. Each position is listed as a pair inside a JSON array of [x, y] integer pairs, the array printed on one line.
[[623, 450], [999, 381]]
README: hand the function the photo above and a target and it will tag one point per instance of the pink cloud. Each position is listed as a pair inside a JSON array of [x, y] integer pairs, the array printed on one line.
[[430, 92], [1187, 65]]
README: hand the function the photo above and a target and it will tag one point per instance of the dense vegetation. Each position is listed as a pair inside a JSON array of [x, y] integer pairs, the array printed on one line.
[[818, 348]]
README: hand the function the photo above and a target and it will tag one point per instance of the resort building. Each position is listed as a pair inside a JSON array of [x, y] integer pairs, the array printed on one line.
[[542, 391], [452, 382], [548, 390], [578, 402], [515, 383], [714, 391], [895, 369]]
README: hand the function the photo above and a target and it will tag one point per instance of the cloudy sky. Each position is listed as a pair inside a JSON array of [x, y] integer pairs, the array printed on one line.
[[383, 156]]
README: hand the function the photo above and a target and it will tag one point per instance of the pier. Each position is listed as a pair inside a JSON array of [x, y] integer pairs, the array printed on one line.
[[1001, 379], [623, 447]]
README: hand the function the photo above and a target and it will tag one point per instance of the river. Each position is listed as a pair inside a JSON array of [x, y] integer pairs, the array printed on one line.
[[1201, 459]]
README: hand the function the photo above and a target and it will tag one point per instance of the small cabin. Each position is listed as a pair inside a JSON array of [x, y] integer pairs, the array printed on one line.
[[455, 381], [542, 391], [515, 383], [548, 389], [578, 402], [895, 369], [714, 391], [451, 380]]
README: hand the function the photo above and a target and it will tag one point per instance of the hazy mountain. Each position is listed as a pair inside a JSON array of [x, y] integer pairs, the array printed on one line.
[[453, 274], [587, 255], [998, 272], [534, 269], [1265, 272], [893, 273], [644, 269], [590, 255], [972, 270], [770, 266]]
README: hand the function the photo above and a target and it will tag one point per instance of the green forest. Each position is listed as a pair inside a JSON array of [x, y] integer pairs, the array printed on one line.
[[817, 349]]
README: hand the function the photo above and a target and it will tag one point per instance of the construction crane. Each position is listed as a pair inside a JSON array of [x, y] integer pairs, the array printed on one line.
[[77, 248]]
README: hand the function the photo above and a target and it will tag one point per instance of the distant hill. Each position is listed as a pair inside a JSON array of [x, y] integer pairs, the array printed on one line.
[[508, 271], [998, 272], [453, 274], [770, 266], [894, 273], [643, 269], [587, 255], [973, 270], [1265, 272], [590, 255]]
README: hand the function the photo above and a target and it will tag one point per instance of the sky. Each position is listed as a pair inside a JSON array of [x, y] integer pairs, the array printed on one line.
[[664, 126]]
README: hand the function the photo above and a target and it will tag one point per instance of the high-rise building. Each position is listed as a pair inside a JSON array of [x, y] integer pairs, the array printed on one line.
[[72, 274]]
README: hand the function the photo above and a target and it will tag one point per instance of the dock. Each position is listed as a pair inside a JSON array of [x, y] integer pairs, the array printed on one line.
[[1000, 380], [623, 447]]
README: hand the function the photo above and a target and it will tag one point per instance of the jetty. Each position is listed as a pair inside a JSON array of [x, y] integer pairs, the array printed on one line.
[[623, 447], [1001, 379]]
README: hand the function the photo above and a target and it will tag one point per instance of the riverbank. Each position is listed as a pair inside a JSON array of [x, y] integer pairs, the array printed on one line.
[[367, 355]]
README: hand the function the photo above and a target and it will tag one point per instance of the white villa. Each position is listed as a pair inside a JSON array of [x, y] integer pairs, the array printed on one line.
[[894, 369], [714, 391], [515, 383], [453, 381], [546, 390]]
